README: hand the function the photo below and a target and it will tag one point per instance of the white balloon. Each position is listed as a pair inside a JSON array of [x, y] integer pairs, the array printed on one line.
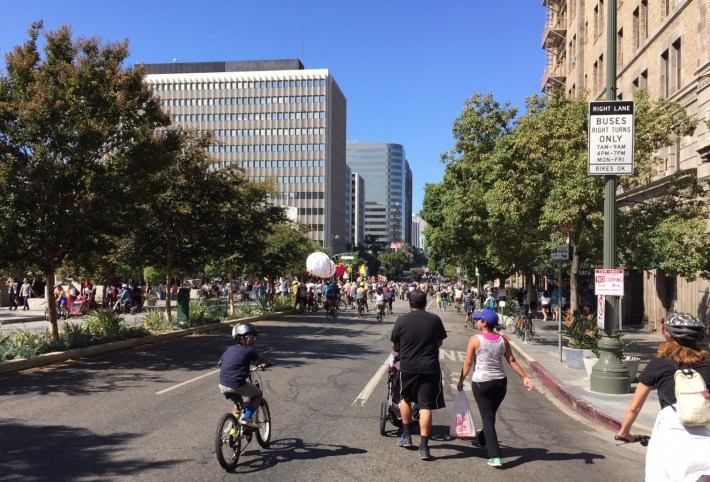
[[319, 264]]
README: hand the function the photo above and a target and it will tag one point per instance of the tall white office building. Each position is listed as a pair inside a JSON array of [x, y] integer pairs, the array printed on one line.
[[278, 121]]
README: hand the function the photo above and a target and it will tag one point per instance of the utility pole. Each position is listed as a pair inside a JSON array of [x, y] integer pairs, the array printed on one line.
[[609, 375]]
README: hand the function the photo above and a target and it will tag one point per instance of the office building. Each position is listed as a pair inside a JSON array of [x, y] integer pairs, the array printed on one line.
[[664, 48], [358, 209], [388, 189], [418, 225], [275, 119]]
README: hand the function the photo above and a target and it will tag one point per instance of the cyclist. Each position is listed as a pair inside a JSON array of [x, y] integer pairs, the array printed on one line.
[[60, 296], [360, 298], [389, 298], [332, 295], [458, 298], [234, 370], [124, 299], [380, 301]]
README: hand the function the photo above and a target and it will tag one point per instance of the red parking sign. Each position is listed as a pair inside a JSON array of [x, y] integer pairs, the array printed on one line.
[[609, 282]]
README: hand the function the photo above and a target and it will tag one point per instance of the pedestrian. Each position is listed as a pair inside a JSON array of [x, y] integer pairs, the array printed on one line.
[[25, 293], [11, 284], [489, 384], [417, 337], [675, 451], [545, 303]]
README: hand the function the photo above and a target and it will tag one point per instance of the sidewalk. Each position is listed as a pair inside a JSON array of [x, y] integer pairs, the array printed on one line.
[[571, 385]]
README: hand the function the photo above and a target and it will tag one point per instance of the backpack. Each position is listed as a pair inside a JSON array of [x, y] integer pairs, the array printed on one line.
[[692, 398]]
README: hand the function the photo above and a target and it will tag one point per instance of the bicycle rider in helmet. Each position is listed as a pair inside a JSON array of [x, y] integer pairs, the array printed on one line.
[[234, 370]]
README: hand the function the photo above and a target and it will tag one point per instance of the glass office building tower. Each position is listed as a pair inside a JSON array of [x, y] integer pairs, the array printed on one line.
[[278, 121], [388, 189]]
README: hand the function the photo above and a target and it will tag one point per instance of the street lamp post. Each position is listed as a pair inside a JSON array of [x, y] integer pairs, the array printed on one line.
[[609, 375]]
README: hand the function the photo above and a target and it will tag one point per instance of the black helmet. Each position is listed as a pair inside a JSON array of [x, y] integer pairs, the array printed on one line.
[[243, 330], [686, 329]]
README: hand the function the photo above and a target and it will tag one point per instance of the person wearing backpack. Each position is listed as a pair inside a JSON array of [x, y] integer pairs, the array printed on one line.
[[679, 448]]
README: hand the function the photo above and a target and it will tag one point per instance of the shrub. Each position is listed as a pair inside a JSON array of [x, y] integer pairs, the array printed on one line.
[[105, 325], [282, 303], [156, 320], [244, 310], [582, 331], [75, 335], [201, 314]]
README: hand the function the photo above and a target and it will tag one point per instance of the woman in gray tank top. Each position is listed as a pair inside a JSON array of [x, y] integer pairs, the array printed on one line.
[[485, 353]]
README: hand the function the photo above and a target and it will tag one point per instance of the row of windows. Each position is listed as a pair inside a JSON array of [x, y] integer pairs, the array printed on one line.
[[316, 227], [216, 149], [245, 116], [310, 131], [301, 195], [251, 84], [288, 99], [291, 179], [310, 211], [302, 163]]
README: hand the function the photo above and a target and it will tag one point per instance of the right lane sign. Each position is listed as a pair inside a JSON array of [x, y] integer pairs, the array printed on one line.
[[611, 138]]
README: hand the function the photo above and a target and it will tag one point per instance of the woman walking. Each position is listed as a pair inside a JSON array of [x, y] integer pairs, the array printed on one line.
[[675, 451], [12, 292], [485, 353]]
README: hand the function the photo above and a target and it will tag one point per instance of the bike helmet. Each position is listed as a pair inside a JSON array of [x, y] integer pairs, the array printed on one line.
[[124, 286], [242, 330], [686, 329]]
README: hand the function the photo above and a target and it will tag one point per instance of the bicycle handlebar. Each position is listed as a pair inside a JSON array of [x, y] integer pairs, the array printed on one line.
[[642, 439]]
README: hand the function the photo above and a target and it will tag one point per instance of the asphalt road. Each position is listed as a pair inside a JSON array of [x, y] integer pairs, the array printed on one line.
[[151, 413]]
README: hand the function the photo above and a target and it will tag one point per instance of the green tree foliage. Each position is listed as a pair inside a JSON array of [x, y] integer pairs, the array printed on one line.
[[69, 115], [394, 263], [511, 185]]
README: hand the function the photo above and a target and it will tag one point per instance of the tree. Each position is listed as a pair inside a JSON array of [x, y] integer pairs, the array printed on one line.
[[68, 117], [393, 263]]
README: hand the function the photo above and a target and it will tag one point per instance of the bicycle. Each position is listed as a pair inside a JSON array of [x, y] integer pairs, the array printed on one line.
[[360, 308], [457, 305], [524, 327], [379, 309], [331, 310], [231, 437]]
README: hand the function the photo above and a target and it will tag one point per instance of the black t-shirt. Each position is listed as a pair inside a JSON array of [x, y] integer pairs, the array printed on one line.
[[659, 373], [418, 334], [235, 366]]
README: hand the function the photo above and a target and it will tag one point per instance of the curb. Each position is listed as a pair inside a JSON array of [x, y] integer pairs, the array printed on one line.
[[566, 394], [14, 366]]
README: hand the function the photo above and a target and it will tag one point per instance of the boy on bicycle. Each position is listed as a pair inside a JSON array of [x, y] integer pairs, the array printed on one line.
[[234, 370]]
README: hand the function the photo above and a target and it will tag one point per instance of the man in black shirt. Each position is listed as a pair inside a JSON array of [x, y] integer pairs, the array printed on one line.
[[417, 337]]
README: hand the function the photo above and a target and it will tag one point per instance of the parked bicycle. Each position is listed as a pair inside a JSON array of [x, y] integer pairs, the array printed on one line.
[[524, 328], [231, 437]]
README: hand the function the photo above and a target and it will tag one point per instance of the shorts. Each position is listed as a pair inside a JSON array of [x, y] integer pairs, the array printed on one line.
[[426, 389], [247, 390]]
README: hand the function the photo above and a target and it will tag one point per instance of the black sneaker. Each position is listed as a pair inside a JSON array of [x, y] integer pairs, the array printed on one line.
[[424, 453]]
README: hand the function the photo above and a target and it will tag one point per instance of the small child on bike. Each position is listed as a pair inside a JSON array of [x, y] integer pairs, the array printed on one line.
[[234, 370]]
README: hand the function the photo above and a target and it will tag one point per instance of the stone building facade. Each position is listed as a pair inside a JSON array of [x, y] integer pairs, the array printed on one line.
[[662, 46]]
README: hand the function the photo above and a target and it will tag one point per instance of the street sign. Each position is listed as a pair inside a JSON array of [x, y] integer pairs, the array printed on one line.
[[601, 305], [562, 253], [609, 282], [611, 138]]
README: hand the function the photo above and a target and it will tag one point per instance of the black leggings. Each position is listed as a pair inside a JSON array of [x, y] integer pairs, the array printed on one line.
[[489, 396]]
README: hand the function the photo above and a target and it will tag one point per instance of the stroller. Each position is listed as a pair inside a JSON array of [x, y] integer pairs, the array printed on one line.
[[389, 411]]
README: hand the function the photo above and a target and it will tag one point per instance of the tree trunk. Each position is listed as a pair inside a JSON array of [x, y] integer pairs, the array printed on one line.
[[230, 265], [574, 280], [168, 288], [51, 306]]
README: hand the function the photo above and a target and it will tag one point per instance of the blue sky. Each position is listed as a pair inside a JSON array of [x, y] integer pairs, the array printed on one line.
[[406, 67]]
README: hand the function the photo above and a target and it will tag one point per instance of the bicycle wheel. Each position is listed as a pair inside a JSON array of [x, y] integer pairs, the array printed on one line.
[[328, 314], [263, 418], [383, 417], [510, 327], [228, 444], [342, 306]]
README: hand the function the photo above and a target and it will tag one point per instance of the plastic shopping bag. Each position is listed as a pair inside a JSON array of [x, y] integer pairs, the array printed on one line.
[[461, 419]]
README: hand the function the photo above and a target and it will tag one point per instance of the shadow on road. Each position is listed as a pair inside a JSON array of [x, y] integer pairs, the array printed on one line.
[[286, 450], [58, 452]]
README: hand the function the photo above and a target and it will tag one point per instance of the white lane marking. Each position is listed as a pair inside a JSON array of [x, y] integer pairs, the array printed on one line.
[[186, 382], [370, 387]]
